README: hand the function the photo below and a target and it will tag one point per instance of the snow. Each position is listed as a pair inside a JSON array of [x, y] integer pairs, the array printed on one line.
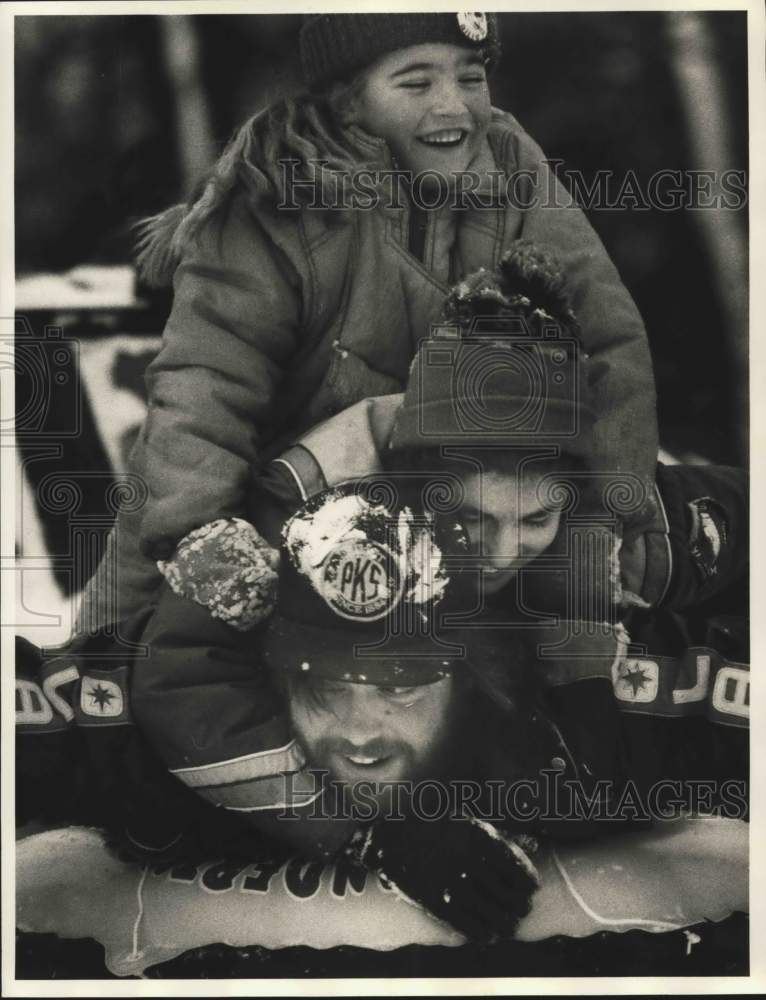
[[691, 940], [312, 535]]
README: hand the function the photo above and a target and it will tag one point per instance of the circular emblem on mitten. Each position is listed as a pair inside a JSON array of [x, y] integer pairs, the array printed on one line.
[[473, 24], [361, 580]]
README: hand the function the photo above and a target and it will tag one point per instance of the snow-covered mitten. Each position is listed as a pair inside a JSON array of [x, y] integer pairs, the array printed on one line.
[[228, 568], [463, 871]]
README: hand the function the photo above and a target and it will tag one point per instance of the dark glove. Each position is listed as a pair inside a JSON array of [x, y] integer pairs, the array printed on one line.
[[463, 871]]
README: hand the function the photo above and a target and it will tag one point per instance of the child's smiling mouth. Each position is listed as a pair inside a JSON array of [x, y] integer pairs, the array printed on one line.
[[449, 137]]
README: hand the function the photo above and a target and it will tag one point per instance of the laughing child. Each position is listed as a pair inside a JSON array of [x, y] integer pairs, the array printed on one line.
[[290, 305]]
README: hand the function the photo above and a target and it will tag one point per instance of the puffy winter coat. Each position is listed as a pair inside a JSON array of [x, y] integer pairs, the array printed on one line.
[[282, 318], [619, 733], [235, 738]]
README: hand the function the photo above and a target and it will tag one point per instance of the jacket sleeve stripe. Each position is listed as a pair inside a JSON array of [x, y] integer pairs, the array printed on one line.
[[291, 469], [294, 790], [304, 469], [263, 764]]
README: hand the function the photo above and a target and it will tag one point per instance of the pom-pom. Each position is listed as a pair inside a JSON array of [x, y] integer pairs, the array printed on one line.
[[534, 273], [528, 284]]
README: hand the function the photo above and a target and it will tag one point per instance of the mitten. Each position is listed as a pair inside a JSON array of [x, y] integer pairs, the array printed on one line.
[[227, 568], [463, 871]]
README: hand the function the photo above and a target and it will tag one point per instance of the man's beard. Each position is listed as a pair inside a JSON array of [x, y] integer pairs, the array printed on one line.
[[419, 788], [446, 760]]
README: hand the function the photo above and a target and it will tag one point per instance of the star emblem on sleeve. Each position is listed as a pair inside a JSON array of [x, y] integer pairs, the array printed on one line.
[[101, 698], [637, 681], [636, 678]]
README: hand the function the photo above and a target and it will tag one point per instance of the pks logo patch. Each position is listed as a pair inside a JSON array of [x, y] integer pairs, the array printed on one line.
[[361, 580], [473, 25], [101, 698]]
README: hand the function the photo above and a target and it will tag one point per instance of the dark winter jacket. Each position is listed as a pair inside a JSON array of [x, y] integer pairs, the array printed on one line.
[[235, 737], [282, 318], [210, 716], [617, 734]]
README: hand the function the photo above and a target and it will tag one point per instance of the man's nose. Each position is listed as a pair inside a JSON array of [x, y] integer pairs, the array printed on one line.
[[358, 720], [500, 547]]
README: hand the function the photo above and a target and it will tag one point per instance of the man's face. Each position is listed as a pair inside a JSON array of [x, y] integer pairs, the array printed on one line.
[[430, 103], [507, 522], [360, 732]]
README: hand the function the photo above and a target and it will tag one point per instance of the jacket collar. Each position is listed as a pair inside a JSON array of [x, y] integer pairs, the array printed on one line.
[[373, 151]]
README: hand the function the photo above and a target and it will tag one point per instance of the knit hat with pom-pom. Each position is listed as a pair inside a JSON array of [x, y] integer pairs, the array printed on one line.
[[504, 365]]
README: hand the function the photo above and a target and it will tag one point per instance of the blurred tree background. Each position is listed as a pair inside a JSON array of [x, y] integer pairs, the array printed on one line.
[[116, 116]]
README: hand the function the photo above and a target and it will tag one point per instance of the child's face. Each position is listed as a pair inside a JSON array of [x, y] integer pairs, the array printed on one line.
[[430, 103]]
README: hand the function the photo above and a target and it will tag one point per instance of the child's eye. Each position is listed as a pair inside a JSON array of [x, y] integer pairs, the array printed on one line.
[[472, 80], [415, 84]]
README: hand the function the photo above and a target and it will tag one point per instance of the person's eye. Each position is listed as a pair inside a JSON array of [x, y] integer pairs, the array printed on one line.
[[414, 84], [540, 518], [473, 79], [400, 693]]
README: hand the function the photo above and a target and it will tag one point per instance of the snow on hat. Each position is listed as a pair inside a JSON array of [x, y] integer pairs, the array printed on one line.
[[361, 575], [335, 46], [504, 366]]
